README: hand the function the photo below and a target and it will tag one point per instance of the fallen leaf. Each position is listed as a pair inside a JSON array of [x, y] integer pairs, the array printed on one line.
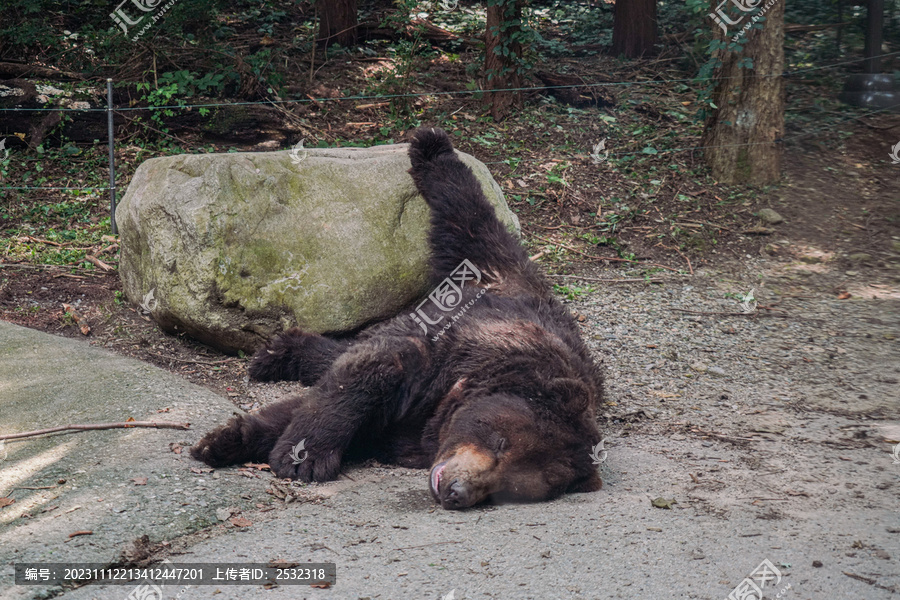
[[663, 503], [259, 466], [281, 563], [240, 521], [175, 447], [139, 480], [844, 295], [6, 501], [320, 586]]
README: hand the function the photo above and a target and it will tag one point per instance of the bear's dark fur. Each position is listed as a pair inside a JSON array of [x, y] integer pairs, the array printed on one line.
[[499, 400]]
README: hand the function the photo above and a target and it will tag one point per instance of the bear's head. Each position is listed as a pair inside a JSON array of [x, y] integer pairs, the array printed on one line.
[[505, 447]]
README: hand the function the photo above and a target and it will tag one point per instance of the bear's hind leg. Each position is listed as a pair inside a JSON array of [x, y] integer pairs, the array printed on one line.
[[246, 437], [463, 223]]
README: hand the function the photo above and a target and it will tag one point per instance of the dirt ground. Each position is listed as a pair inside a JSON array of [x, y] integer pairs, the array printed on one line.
[[768, 435], [841, 209]]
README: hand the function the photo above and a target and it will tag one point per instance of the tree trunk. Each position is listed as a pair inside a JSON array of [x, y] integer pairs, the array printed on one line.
[[502, 69], [746, 130], [634, 27], [337, 24]]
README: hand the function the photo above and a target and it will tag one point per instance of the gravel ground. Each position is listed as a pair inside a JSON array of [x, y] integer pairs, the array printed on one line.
[[768, 437]]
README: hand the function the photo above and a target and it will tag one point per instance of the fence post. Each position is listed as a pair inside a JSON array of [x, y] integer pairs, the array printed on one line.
[[112, 156]]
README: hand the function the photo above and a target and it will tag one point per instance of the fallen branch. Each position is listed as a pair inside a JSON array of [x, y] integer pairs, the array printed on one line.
[[28, 238], [97, 262], [90, 427], [12, 70]]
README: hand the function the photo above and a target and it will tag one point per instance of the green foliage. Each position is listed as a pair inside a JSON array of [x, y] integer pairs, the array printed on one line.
[[514, 28], [575, 23], [572, 292]]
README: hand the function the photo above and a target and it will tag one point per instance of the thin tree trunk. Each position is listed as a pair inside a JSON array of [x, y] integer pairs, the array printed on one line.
[[746, 129], [634, 28], [502, 71], [338, 24]]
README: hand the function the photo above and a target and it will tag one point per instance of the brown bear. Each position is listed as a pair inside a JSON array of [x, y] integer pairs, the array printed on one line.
[[486, 381]]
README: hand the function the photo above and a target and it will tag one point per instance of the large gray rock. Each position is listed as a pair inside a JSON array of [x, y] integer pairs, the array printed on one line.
[[237, 247]]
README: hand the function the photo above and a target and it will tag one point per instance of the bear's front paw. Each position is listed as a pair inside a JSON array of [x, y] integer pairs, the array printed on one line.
[[306, 461]]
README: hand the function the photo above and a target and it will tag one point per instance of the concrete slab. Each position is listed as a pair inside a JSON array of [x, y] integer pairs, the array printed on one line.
[[66, 483]]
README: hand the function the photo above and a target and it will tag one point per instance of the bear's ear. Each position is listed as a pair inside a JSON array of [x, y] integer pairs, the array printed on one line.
[[591, 483], [571, 395]]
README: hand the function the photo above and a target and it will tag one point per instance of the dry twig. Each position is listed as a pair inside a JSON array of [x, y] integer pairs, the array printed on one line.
[[89, 427]]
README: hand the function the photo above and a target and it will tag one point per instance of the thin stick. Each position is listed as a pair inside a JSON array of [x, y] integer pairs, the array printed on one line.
[[628, 260], [597, 279], [720, 314], [732, 314], [426, 545], [125, 425], [690, 268], [193, 362]]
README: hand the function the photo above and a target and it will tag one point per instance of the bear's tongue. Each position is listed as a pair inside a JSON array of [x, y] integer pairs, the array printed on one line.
[[436, 478]]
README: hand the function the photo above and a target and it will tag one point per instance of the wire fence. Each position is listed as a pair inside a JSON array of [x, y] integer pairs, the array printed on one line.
[[110, 110]]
